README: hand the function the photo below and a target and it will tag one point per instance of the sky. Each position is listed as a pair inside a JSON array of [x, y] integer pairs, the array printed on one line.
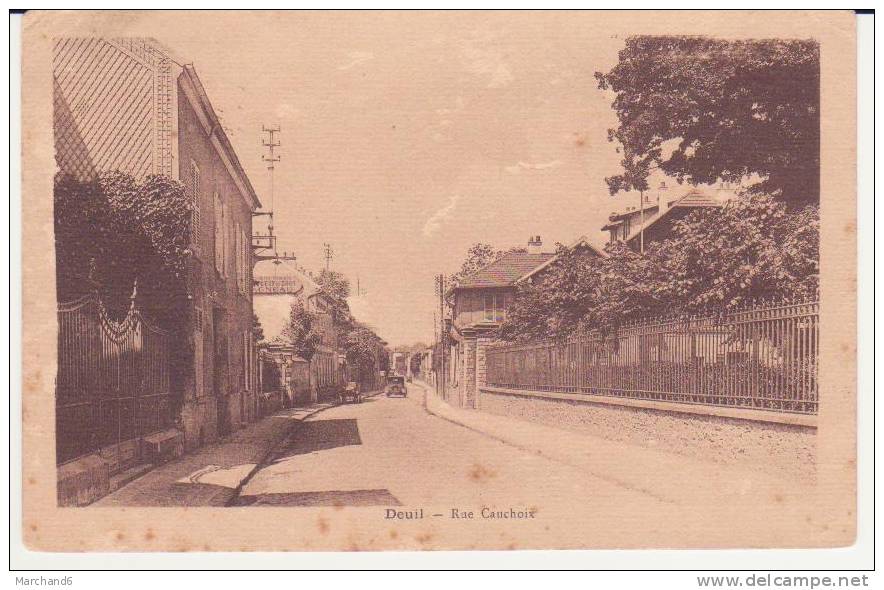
[[407, 137]]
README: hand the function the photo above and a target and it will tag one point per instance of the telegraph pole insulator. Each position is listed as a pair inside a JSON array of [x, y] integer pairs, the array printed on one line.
[[329, 254], [264, 245]]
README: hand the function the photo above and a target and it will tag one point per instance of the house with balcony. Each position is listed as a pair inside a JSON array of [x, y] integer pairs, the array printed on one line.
[[479, 305]]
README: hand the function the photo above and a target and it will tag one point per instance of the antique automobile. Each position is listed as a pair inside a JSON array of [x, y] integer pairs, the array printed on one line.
[[351, 393], [396, 386]]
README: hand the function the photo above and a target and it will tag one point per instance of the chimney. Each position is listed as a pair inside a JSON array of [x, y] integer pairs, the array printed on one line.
[[534, 245], [662, 198]]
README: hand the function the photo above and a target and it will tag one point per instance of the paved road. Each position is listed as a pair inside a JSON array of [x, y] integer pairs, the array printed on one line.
[[391, 452]]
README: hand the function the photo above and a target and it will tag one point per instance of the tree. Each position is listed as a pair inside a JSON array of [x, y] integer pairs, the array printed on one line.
[[727, 110], [334, 284], [478, 256], [570, 296], [302, 331], [114, 230], [752, 250], [257, 328], [364, 350]]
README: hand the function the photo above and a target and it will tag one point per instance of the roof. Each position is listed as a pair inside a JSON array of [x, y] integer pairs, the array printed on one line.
[[695, 198], [581, 241], [216, 130], [616, 219], [504, 271]]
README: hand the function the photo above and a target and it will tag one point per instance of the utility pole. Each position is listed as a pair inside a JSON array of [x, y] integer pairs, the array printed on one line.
[[641, 237], [264, 245], [329, 254], [270, 144], [435, 339]]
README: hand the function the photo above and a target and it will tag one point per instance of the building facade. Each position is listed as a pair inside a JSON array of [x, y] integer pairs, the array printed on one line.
[[276, 288], [480, 305], [222, 396], [125, 105]]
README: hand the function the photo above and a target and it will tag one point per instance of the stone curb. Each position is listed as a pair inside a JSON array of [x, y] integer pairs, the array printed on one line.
[[722, 484]]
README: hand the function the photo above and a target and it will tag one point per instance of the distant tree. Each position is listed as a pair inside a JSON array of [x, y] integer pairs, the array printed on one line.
[[302, 331], [364, 350], [360, 345], [334, 284], [727, 109], [257, 328], [478, 256]]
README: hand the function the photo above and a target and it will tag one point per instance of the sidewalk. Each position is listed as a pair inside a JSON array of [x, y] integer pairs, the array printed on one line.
[[669, 477], [212, 475]]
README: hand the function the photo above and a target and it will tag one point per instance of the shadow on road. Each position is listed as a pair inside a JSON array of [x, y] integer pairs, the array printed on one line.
[[365, 400], [320, 435], [327, 498]]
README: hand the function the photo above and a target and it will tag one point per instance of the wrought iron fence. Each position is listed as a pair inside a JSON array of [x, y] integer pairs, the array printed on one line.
[[113, 378], [761, 358]]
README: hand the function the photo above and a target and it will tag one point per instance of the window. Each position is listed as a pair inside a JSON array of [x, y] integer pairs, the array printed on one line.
[[198, 366], [246, 266], [225, 241], [246, 368], [493, 305], [241, 262], [237, 256], [192, 185], [219, 233]]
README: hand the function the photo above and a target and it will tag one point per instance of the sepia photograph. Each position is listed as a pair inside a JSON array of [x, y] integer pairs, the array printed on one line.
[[438, 280]]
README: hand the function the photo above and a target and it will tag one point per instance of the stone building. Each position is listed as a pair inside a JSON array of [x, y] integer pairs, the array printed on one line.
[[277, 287], [126, 105]]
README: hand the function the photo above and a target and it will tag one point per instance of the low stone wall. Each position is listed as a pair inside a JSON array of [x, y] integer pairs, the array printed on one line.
[[771, 447], [82, 481]]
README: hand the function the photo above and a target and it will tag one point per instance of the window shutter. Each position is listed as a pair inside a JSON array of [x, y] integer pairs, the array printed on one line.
[[245, 361], [193, 187], [219, 233], [236, 273], [223, 238], [246, 267], [225, 221], [198, 365]]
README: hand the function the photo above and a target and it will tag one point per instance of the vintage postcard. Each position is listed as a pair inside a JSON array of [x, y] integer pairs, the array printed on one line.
[[380, 280]]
